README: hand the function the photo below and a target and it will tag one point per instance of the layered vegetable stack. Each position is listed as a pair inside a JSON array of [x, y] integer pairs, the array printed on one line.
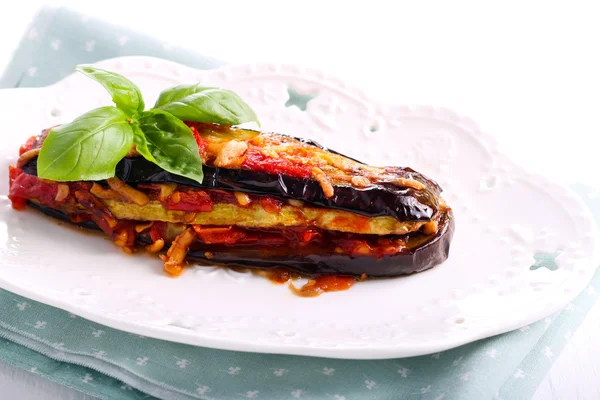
[[259, 199]]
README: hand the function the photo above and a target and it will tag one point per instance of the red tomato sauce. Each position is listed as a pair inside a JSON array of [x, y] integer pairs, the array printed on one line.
[[255, 160], [202, 143], [271, 205], [189, 201], [314, 287], [28, 145], [302, 239], [330, 283], [279, 275]]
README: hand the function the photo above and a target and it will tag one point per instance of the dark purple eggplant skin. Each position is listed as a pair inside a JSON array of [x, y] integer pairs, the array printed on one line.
[[62, 216], [403, 204], [425, 256], [433, 252]]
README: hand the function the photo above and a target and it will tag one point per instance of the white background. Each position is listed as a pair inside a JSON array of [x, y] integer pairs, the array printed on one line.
[[527, 72]]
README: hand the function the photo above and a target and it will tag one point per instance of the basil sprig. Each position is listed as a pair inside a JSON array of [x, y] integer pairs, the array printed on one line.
[[205, 104], [166, 141], [88, 148], [125, 94], [91, 146]]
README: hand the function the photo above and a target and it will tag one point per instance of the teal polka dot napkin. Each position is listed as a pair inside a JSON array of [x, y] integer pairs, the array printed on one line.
[[112, 364]]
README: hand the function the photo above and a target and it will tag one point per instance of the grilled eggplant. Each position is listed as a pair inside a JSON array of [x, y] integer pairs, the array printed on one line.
[[266, 201]]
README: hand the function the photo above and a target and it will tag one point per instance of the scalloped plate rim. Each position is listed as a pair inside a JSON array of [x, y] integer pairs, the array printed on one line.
[[184, 336]]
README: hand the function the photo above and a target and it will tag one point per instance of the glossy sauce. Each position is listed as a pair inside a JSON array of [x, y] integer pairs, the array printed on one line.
[[271, 205], [314, 287], [323, 284], [278, 275]]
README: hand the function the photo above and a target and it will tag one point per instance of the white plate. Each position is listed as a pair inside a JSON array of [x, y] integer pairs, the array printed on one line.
[[504, 216]]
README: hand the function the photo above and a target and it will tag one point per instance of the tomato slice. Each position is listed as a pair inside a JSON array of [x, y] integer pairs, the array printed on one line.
[[219, 235], [257, 161], [28, 145], [24, 186]]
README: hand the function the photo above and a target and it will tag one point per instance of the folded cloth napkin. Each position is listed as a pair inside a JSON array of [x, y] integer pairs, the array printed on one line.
[[59, 39], [112, 364]]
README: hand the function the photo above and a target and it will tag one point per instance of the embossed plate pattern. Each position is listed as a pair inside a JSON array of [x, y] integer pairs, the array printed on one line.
[[504, 216]]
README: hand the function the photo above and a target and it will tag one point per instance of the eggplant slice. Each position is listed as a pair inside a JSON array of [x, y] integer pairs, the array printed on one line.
[[424, 252], [378, 198], [378, 206]]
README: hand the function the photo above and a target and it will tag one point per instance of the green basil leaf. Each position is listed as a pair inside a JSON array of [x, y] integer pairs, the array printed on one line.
[[125, 94], [175, 93], [88, 148], [205, 104], [169, 143]]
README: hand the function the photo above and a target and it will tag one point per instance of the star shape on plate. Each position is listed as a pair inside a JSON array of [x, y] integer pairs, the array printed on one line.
[[298, 99], [545, 260]]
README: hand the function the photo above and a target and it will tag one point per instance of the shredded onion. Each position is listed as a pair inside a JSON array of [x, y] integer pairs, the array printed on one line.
[[321, 177], [28, 155], [128, 192], [62, 192]]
